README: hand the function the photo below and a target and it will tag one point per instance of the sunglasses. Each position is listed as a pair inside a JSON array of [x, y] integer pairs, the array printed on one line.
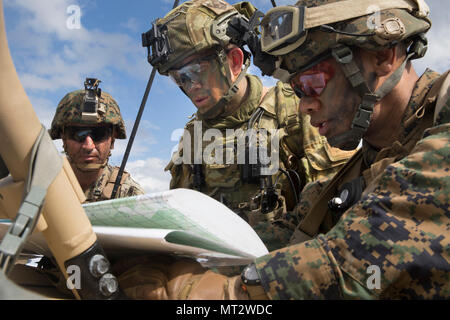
[[312, 82], [80, 134], [196, 71]]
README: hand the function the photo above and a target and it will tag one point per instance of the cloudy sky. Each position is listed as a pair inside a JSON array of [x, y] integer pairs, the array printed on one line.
[[56, 44]]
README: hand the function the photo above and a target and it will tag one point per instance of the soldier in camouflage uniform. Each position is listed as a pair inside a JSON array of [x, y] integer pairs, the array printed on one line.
[[380, 228], [88, 121], [207, 67]]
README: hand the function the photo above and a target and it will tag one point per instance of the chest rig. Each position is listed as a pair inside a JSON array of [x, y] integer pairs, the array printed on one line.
[[245, 185]]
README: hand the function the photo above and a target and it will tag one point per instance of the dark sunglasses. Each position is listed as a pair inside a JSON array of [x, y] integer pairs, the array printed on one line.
[[80, 134], [312, 82]]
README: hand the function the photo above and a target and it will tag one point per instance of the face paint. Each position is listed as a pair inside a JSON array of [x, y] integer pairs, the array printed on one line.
[[202, 81], [331, 102]]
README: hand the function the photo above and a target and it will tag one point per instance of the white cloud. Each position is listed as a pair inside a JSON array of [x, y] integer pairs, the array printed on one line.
[[437, 57], [44, 108], [52, 56], [150, 174], [132, 24]]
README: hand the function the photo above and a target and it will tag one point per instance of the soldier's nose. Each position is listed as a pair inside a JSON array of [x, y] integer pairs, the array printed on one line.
[[193, 85], [309, 105], [88, 143]]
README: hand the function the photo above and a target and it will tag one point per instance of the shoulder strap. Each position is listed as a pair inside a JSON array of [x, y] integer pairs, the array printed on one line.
[[309, 226], [108, 188]]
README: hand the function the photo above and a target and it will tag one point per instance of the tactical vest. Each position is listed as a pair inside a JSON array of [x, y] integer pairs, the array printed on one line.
[[104, 190], [303, 155], [355, 179]]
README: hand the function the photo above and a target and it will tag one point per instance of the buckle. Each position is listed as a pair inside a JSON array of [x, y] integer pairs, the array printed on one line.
[[362, 118], [342, 54]]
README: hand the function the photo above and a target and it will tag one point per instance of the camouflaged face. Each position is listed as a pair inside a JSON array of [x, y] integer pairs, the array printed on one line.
[[318, 42], [190, 29], [68, 112]]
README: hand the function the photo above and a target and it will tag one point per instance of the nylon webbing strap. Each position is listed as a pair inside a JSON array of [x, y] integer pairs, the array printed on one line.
[[349, 9], [313, 219], [344, 56], [45, 165]]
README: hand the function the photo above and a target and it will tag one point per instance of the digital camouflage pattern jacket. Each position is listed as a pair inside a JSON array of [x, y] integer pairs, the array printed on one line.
[[301, 149], [399, 229], [102, 188]]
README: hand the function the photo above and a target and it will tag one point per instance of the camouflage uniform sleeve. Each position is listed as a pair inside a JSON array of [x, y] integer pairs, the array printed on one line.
[[130, 188], [400, 226]]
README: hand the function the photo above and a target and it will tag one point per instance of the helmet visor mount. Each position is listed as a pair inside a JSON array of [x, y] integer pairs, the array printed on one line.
[[282, 29]]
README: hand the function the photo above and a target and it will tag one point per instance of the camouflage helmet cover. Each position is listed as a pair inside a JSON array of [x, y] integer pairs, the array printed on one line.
[[407, 24], [69, 108], [195, 26]]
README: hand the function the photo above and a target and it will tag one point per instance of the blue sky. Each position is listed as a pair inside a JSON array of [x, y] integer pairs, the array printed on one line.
[[52, 59]]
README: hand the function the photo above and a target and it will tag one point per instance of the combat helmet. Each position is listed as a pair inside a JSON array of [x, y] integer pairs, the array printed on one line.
[[313, 30], [87, 107], [193, 27]]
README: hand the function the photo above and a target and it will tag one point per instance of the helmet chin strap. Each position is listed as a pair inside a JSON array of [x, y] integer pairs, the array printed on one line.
[[219, 107], [349, 140]]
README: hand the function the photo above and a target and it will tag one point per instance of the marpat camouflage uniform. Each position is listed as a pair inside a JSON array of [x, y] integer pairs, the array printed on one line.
[[400, 225]]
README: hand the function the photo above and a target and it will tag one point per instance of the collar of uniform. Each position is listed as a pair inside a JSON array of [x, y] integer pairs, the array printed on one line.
[[423, 85], [94, 192], [245, 110]]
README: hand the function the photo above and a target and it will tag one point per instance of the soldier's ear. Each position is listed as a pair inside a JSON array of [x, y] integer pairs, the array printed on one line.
[[383, 62], [236, 60], [112, 143]]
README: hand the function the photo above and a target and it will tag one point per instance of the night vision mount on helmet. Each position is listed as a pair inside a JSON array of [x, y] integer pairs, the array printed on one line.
[[90, 106]]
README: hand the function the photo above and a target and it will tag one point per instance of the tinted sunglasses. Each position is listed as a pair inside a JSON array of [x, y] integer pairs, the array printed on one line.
[[312, 82], [80, 134]]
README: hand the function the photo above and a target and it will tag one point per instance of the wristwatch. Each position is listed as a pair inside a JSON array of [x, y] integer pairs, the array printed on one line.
[[251, 283]]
